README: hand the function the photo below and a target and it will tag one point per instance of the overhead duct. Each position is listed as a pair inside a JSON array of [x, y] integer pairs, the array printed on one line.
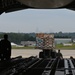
[[46, 4]]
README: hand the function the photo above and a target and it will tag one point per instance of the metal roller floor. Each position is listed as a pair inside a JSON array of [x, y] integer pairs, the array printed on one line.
[[37, 66]]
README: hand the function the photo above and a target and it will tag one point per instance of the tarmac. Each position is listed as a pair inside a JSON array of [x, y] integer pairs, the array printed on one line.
[[35, 52]]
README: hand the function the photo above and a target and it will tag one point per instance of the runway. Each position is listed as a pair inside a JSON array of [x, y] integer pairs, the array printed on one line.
[[35, 52]]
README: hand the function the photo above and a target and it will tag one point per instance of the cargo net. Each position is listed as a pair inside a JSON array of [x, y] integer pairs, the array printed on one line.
[[44, 41]]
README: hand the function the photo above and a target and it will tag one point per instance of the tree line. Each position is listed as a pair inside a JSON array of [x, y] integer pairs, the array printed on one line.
[[18, 37]]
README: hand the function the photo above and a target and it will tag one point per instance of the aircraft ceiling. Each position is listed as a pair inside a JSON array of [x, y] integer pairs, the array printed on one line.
[[15, 5]]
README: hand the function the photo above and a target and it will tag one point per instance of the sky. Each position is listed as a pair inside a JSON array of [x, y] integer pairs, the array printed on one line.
[[38, 20]]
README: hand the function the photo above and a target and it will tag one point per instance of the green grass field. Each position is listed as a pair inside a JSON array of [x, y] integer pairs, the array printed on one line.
[[58, 46], [14, 47]]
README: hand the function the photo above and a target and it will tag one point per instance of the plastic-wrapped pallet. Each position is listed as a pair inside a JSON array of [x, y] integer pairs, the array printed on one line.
[[44, 41]]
